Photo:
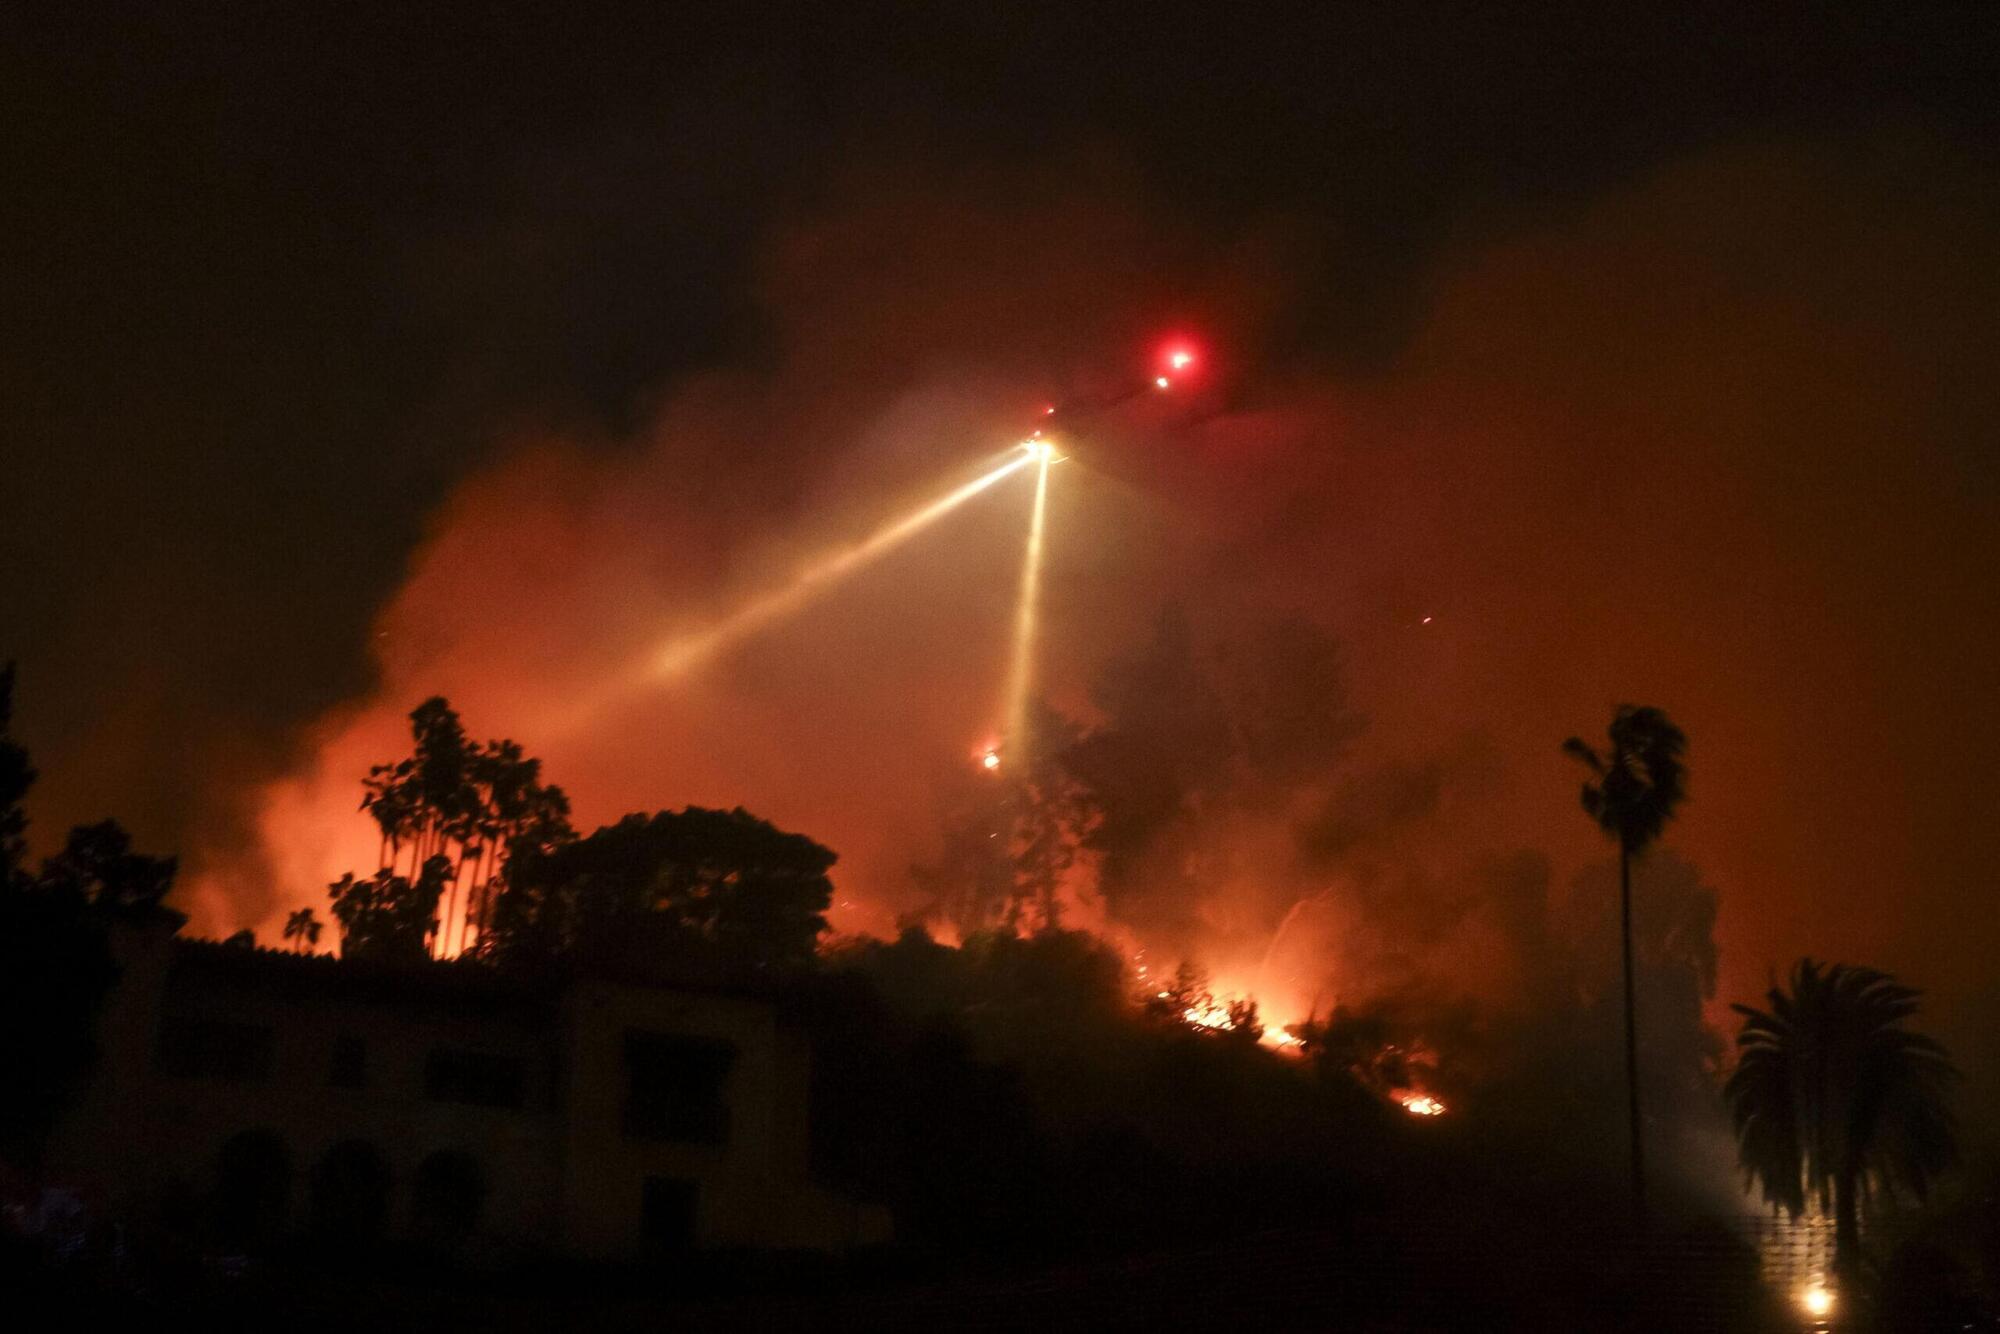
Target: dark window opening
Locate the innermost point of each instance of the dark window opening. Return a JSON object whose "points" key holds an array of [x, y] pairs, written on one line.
{"points": [[674, 1087], [667, 1207], [214, 1049], [253, 1177], [349, 1068], [350, 1193], [482, 1079], [446, 1198]]}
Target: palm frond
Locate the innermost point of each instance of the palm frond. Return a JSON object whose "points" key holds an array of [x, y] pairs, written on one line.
{"points": [[1829, 1088]]}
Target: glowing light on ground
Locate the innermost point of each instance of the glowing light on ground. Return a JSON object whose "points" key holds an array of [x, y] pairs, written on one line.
{"points": [[990, 760], [816, 577], [1422, 1104], [1020, 675], [1817, 1300], [1161, 382]]}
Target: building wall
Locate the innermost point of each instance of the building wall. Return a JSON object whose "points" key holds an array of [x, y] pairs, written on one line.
{"points": [[561, 1169]]}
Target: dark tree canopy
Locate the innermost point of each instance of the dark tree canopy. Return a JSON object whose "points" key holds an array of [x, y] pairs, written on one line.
{"points": [[1010, 836], [1190, 734], [1160, 752], [388, 916], [55, 956], [472, 804], [692, 888], [1638, 780], [1837, 1105], [97, 864], [16, 777]]}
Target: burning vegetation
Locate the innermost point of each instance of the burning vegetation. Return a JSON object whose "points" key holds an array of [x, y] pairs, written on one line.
{"points": [[1209, 802]]}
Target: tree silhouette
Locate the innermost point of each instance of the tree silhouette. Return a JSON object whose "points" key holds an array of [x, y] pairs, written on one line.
{"points": [[1674, 968], [1193, 733], [471, 804], [16, 777], [303, 926], [1373, 1046], [1158, 761], [694, 888], [1835, 1103], [1009, 836], [1049, 821], [1636, 784], [98, 866], [388, 916], [55, 956]]}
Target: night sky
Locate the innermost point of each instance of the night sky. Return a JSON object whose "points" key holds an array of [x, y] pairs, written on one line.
{"points": [[356, 355]]}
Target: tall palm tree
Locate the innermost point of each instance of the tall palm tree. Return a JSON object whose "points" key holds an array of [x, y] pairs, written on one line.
{"points": [[303, 926], [1636, 784], [1835, 1103]]}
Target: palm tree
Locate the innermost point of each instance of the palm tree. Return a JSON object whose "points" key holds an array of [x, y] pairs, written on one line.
{"points": [[1635, 785], [1836, 1103], [303, 926]]}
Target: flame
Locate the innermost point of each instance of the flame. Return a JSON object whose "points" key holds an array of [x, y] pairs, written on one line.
{"points": [[1214, 1015], [1422, 1104]]}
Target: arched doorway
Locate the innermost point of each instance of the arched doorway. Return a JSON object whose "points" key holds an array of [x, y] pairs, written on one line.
{"points": [[446, 1198], [253, 1181], [350, 1193]]}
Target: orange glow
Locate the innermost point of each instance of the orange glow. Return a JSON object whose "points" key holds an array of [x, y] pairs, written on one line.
{"points": [[1422, 1104]]}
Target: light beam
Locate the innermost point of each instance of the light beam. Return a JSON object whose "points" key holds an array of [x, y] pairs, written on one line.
{"points": [[690, 649], [1020, 674]]}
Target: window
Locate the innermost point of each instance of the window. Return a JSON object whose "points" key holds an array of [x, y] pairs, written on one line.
{"points": [[483, 1079], [349, 1068], [674, 1087], [192, 1048], [667, 1209]]}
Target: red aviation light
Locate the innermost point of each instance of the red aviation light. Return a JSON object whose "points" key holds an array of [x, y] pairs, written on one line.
{"points": [[1177, 360]]}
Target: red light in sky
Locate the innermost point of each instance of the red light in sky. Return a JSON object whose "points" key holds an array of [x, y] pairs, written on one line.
{"points": [[1177, 356]]}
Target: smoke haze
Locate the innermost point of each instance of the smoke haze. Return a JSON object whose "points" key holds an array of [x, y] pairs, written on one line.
{"points": [[1536, 409], [1682, 448]]}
